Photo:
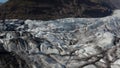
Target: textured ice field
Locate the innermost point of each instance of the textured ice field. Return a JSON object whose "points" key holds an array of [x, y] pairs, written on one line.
{"points": [[63, 43]]}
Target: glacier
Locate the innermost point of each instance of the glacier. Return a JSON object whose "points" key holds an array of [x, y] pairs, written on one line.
{"points": [[61, 43]]}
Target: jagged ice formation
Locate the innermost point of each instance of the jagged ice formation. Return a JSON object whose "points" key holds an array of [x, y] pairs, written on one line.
{"points": [[61, 43]]}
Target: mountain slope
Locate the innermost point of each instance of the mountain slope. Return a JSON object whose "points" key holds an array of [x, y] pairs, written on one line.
{"points": [[53, 9], [1, 3], [114, 3]]}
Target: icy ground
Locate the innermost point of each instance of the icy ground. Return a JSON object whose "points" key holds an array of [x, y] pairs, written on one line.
{"points": [[63, 43]]}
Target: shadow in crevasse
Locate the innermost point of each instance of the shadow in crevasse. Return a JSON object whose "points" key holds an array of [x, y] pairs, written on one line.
{"points": [[11, 60]]}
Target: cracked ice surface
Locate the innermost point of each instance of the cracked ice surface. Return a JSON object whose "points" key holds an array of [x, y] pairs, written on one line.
{"points": [[64, 43]]}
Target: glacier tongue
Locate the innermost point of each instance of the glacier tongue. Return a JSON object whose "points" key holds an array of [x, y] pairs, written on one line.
{"points": [[61, 43]]}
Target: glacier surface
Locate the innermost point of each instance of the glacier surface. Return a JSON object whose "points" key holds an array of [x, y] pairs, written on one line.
{"points": [[62, 43]]}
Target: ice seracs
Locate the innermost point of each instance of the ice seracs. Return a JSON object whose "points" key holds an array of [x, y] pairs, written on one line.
{"points": [[105, 39], [64, 43]]}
